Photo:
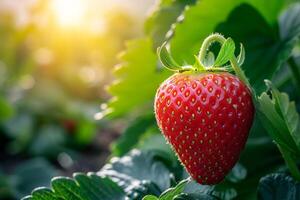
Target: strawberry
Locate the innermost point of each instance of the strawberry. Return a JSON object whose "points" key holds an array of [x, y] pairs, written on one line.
{"points": [[206, 118], [204, 112]]}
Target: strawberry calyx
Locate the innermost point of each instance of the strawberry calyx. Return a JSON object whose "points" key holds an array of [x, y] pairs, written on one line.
{"points": [[206, 61]]}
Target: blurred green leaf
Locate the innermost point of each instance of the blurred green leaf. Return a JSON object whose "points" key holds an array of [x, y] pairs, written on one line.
{"points": [[137, 79], [20, 129], [161, 19], [85, 132], [6, 110], [155, 141], [289, 23], [131, 136], [203, 18], [49, 141], [5, 188], [81, 187], [238, 173], [278, 187], [31, 174]]}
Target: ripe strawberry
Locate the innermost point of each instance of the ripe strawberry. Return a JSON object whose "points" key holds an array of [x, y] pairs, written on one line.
{"points": [[206, 118]]}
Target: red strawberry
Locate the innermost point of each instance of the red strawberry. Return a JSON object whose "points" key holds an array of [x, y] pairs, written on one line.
{"points": [[206, 118]]}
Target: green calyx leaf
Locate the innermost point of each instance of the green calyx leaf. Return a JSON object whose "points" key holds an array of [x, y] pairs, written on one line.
{"points": [[166, 58], [241, 56], [226, 52], [209, 60]]}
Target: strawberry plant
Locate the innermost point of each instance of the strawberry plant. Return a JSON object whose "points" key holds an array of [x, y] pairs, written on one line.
{"points": [[232, 121]]}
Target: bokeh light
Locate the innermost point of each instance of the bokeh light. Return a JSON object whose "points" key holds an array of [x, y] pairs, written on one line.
{"points": [[69, 12]]}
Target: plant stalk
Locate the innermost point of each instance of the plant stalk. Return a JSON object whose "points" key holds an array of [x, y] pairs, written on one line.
{"points": [[220, 39]]}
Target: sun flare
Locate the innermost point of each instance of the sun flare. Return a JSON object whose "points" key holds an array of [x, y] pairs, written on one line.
{"points": [[69, 12]]}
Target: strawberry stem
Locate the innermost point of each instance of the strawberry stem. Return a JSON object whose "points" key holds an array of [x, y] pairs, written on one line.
{"points": [[216, 37]]}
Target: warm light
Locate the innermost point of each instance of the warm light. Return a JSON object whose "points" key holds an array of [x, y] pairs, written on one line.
{"points": [[69, 12]]}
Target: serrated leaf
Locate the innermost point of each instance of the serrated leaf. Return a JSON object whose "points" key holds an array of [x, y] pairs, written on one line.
{"points": [[226, 52], [81, 187], [137, 77], [152, 178], [278, 187], [280, 118]]}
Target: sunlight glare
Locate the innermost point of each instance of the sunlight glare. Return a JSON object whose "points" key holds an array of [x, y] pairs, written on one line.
{"points": [[69, 12]]}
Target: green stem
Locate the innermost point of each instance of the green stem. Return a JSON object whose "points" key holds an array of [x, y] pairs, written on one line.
{"points": [[290, 162], [220, 39], [295, 70]]}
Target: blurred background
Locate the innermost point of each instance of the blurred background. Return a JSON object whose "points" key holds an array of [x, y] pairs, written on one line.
{"points": [[56, 57]]}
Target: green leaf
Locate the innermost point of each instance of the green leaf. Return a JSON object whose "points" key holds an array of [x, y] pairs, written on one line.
{"points": [[81, 187], [289, 23], [278, 187], [223, 190], [5, 191], [131, 136], [175, 193], [172, 192], [49, 141], [255, 32], [226, 52], [266, 51], [184, 196], [203, 18], [31, 174], [280, 118], [6, 110], [209, 60], [150, 197], [241, 56], [139, 173], [166, 59], [161, 19], [137, 77]]}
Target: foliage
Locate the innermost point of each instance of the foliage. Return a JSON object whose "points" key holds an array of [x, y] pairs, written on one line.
{"points": [[278, 186], [270, 33]]}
